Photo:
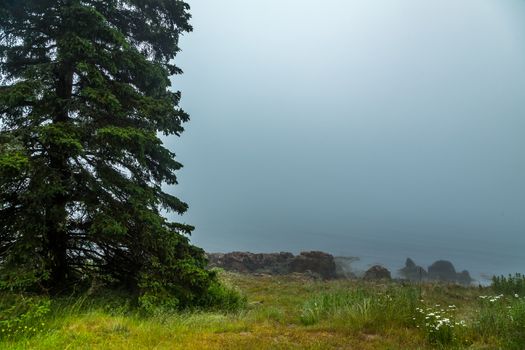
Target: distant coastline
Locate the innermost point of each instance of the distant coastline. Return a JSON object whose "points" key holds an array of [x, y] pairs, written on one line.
{"points": [[326, 266]]}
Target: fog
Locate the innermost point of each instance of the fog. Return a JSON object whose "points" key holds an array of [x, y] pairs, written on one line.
{"points": [[373, 128]]}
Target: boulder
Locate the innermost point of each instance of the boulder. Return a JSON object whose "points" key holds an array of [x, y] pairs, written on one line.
{"points": [[464, 277], [250, 263], [410, 264], [413, 272], [343, 266], [442, 270], [377, 272], [314, 262]]}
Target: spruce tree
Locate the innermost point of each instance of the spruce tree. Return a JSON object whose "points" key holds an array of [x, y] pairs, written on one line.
{"points": [[85, 93]]}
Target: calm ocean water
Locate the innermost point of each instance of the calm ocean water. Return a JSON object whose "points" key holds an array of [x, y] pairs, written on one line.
{"points": [[381, 132]]}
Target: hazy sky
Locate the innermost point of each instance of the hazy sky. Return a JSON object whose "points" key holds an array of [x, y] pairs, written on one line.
{"points": [[376, 128]]}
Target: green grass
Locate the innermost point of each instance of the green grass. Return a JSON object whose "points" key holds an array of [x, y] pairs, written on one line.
{"points": [[287, 312], [362, 308]]}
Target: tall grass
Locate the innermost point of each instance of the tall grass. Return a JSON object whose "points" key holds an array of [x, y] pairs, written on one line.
{"points": [[362, 308], [23, 317], [502, 318]]}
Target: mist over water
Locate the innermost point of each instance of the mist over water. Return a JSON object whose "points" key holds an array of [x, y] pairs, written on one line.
{"points": [[378, 129]]}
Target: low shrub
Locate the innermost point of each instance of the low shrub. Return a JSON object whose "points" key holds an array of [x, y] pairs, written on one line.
{"points": [[22, 316], [510, 285], [219, 297], [222, 297]]}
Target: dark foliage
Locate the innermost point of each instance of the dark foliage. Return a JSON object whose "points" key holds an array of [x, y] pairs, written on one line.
{"points": [[84, 94], [512, 284]]}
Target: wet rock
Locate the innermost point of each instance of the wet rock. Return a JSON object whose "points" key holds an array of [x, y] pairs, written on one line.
{"points": [[464, 277], [314, 262], [410, 264], [343, 266], [413, 272], [274, 263], [377, 272], [442, 270]]}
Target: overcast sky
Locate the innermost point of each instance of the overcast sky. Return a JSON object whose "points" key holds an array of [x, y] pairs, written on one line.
{"points": [[377, 128]]}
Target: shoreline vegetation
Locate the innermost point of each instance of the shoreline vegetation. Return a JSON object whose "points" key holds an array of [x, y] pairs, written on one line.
{"points": [[294, 311]]}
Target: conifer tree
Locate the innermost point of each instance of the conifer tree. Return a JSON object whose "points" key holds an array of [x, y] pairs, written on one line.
{"points": [[84, 94]]}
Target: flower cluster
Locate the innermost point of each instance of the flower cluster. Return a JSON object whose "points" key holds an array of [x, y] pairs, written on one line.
{"points": [[13, 329], [438, 323], [493, 298]]}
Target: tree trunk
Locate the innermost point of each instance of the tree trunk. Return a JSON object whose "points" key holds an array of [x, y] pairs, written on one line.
{"points": [[56, 212], [57, 245]]}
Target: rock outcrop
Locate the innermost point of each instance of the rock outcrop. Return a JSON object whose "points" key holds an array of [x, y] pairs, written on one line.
{"points": [[343, 266], [413, 272], [464, 278], [377, 272], [323, 265], [441, 270], [274, 263], [316, 263]]}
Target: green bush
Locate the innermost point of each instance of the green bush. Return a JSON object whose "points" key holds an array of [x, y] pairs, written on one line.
{"points": [[222, 297], [509, 285], [22, 316], [218, 296]]}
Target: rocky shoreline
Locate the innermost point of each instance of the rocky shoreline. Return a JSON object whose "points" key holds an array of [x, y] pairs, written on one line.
{"points": [[325, 266]]}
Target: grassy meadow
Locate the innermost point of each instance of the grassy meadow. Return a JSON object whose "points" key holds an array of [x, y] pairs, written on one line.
{"points": [[285, 312]]}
